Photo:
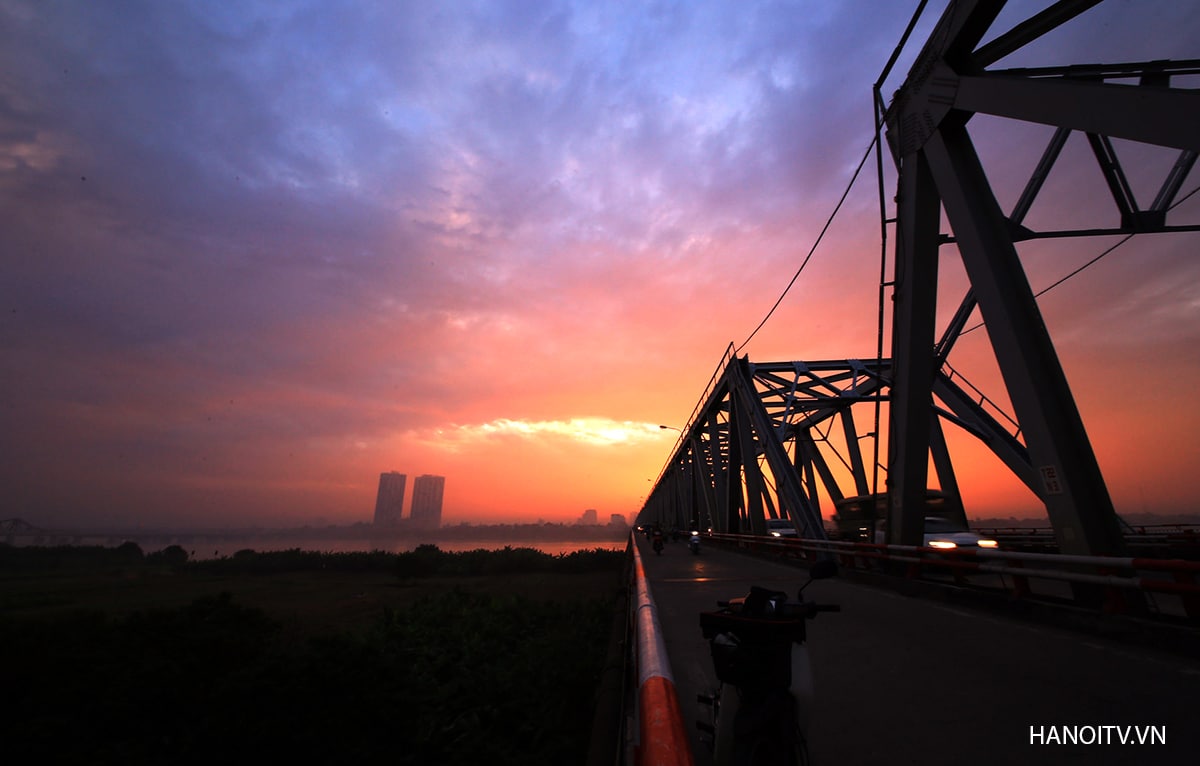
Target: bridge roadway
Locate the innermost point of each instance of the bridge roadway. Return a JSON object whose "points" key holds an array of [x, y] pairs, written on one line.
{"points": [[906, 680]]}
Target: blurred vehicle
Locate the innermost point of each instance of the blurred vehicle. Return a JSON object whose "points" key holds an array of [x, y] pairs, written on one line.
{"points": [[856, 518], [943, 534], [781, 528]]}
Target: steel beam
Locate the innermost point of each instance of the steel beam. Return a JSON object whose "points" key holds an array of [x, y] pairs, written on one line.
{"points": [[914, 310], [1151, 115], [1072, 486], [987, 429]]}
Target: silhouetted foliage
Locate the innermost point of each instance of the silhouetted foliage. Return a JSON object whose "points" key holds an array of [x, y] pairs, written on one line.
{"points": [[129, 551], [172, 555], [424, 561], [428, 560], [457, 678], [69, 556]]}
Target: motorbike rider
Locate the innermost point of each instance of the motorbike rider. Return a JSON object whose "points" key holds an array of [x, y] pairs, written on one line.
{"points": [[657, 539]]}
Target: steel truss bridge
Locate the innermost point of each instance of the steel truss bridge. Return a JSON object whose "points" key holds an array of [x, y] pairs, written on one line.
{"points": [[774, 440]]}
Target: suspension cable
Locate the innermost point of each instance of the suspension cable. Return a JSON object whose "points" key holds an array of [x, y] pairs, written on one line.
{"points": [[816, 244]]}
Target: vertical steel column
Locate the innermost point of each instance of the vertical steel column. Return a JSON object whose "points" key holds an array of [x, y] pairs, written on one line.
{"points": [[914, 310], [750, 488], [733, 475]]}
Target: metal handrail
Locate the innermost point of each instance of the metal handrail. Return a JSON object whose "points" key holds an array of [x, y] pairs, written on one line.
{"points": [[1147, 575], [663, 739]]}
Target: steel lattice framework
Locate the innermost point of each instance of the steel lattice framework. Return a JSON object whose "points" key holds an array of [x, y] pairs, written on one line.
{"points": [[939, 169], [772, 439], [751, 453], [762, 442]]}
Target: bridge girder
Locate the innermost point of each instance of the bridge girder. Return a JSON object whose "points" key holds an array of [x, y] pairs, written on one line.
{"points": [[797, 418], [752, 450], [939, 170], [1044, 443]]}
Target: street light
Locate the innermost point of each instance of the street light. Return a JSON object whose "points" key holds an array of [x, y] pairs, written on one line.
{"points": [[673, 428]]}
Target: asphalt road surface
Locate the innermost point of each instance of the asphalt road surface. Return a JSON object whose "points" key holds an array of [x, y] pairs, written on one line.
{"points": [[906, 680]]}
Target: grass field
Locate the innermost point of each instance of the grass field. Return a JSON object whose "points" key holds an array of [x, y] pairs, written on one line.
{"points": [[123, 658], [316, 600]]}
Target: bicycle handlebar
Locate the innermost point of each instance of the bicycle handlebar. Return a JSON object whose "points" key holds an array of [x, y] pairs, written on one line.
{"points": [[761, 603], [809, 610], [804, 609]]}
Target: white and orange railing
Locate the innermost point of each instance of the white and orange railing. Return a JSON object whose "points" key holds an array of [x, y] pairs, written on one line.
{"points": [[662, 737]]}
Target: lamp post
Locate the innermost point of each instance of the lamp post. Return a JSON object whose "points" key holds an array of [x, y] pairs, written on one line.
{"points": [[671, 428]]}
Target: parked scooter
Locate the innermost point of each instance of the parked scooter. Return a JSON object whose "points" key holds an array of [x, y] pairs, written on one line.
{"points": [[694, 542], [761, 709]]}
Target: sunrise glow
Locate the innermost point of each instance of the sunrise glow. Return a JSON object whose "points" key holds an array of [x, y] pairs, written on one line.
{"points": [[255, 255]]}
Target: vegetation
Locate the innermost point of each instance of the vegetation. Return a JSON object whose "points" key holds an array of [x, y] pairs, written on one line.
{"points": [[447, 667]]}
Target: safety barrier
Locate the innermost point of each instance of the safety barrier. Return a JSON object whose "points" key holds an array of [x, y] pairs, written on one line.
{"points": [[1148, 540], [662, 736], [1171, 585]]}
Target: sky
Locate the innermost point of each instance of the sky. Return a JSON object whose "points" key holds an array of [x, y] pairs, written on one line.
{"points": [[257, 253]]}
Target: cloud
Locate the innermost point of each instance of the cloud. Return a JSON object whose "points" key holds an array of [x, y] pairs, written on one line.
{"points": [[596, 432], [337, 227]]}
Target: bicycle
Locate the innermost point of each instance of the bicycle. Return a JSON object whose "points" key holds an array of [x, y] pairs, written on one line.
{"points": [[760, 709]]}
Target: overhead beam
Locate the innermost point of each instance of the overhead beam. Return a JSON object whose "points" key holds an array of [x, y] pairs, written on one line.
{"points": [[1151, 115]]}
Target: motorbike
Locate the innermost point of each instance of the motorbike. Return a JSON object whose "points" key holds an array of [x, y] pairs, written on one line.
{"points": [[658, 544], [761, 708], [694, 542]]}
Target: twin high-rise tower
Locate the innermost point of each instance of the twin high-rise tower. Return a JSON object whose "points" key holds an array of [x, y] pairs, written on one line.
{"points": [[389, 502], [426, 501]]}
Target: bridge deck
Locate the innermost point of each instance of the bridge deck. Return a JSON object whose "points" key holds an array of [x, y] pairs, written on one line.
{"points": [[903, 680]]}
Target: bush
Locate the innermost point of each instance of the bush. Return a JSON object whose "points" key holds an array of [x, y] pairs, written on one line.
{"points": [[424, 561], [454, 679], [172, 555], [129, 551], [429, 560]]}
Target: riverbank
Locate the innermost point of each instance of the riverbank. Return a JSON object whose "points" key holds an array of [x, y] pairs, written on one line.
{"points": [[213, 543], [434, 658]]}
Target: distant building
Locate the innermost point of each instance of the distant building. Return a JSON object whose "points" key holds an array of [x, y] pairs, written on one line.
{"points": [[617, 520], [589, 517], [389, 503], [427, 501]]}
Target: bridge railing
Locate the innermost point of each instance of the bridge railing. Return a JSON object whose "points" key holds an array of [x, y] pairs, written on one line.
{"points": [[1152, 540], [662, 738], [1171, 587]]}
